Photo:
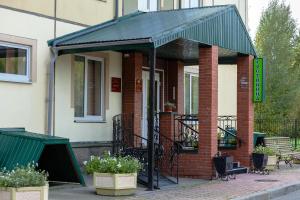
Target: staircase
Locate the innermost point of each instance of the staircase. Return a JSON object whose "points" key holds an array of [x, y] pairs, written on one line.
{"points": [[125, 142]]}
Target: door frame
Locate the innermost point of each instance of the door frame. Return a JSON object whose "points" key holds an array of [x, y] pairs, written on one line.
{"points": [[160, 74]]}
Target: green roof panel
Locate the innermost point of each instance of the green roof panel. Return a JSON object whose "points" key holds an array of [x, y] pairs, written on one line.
{"points": [[213, 25], [53, 154]]}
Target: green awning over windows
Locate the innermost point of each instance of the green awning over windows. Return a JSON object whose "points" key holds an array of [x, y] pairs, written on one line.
{"points": [[53, 154], [214, 25]]}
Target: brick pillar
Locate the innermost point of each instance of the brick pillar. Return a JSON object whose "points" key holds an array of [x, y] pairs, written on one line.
{"points": [[132, 88], [245, 112], [176, 80], [166, 130], [208, 109]]}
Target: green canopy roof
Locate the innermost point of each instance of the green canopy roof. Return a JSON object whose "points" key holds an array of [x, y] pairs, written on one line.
{"points": [[214, 25], [53, 154]]}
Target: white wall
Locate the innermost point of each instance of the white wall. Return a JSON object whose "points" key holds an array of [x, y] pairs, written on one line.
{"points": [[23, 105], [227, 88], [64, 113], [242, 6]]}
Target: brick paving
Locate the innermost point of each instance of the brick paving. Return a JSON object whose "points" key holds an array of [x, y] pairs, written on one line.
{"points": [[244, 185]]}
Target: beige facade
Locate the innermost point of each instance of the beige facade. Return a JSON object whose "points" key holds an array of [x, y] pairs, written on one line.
{"points": [[25, 104]]}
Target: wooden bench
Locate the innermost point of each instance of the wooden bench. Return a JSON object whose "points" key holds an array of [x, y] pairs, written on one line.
{"points": [[283, 148]]}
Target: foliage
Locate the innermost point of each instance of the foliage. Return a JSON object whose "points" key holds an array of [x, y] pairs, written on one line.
{"points": [[113, 165], [277, 41], [264, 150], [23, 176], [170, 105]]}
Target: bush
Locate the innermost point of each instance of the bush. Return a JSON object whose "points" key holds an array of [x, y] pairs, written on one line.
{"points": [[264, 150], [23, 176], [113, 165]]}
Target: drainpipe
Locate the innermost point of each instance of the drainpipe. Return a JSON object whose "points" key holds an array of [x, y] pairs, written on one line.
{"points": [[116, 9], [50, 90]]}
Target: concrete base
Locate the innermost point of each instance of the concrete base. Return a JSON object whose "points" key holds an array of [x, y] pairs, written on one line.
{"points": [[272, 193], [113, 192]]}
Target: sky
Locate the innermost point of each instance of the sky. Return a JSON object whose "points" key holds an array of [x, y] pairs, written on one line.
{"points": [[257, 6]]}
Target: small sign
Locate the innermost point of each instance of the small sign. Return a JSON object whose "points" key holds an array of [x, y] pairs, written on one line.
{"points": [[139, 85], [258, 80], [116, 84]]}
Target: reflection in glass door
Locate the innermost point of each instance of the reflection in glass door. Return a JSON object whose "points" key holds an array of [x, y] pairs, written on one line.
{"points": [[146, 97]]}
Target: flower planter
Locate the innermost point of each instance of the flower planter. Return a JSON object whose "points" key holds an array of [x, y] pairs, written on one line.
{"points": [[259, 160], [24, 193], [271, 163], [223, 164], [115, 184]]}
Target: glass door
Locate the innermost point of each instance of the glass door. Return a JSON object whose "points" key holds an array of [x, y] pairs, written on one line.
{"points": [[146, 97]]}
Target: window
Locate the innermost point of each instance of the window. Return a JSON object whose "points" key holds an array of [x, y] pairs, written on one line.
{"points": [[166, 4], [14, 62], [147, 5], [189, 3], [191, 89], [88, 89]]}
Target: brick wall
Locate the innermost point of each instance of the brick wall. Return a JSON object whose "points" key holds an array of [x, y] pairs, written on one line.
{"points": [[131, 91], [245, 111], [208, 108], [175, 79]]}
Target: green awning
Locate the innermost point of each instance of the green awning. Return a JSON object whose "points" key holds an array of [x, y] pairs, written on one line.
{"points": [[214, 25], [53, 154]]}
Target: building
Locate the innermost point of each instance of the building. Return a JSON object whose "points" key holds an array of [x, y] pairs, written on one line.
{"points": [[81, 105]]}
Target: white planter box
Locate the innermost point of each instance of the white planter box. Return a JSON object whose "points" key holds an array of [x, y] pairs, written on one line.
{"points": [[272, 161], [115, 184], [24, 193]]}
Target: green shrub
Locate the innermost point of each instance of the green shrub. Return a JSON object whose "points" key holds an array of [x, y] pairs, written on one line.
{"points": [[264, 150], [23, 176], [111, 164]]}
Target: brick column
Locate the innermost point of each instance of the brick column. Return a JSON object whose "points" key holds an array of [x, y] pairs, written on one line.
{"points": [[208, 109], [176, 80], [166, 130], [132, 87], [245, 112]]}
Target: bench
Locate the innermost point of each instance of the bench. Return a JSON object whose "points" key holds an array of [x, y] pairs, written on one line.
{"points": [[284, 149]]}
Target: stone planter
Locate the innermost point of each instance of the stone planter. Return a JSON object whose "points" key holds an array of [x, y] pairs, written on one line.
{"points": [[272, 161], [115, 184], [24, 193]]}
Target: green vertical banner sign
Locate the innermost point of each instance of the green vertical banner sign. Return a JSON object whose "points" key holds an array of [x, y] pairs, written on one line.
{"points": [[258, 80]]}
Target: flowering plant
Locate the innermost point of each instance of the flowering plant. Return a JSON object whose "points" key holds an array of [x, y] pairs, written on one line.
{"points": [[23, 176], [112, 164]]}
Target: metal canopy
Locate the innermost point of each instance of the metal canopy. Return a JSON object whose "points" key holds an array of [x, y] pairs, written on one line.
{"points": [[214, 25], [53, 154]]}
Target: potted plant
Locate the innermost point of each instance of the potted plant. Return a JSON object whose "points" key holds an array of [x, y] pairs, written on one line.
{"points": [[223, 164], [264, 157], [114, 176], [169, 107], [23, 179]]}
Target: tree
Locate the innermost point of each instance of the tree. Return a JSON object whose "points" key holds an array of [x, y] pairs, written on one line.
{"points": [[275, 41]]}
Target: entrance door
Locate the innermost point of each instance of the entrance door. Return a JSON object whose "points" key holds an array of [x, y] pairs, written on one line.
{"points": [[145, 104]]}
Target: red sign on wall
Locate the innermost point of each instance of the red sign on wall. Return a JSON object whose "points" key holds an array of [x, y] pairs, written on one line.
{"points": [[116, 84]]}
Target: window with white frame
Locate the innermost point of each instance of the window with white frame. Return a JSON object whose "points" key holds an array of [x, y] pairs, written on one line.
{"points": [[88, 89], [147, 5], [191, 90], [190, 3], [14, 62]]}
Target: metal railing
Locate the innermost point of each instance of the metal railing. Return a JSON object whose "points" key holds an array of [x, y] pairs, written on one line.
{"points": [[125, 142], [227, 121], [186, 131], [227, 138], [279, 127]]}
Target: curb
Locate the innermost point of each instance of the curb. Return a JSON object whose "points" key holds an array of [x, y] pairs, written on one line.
{"points": [[272, 193]]}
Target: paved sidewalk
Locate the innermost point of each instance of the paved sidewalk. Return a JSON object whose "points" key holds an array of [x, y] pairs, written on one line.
{"points": [[244, 185]]}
